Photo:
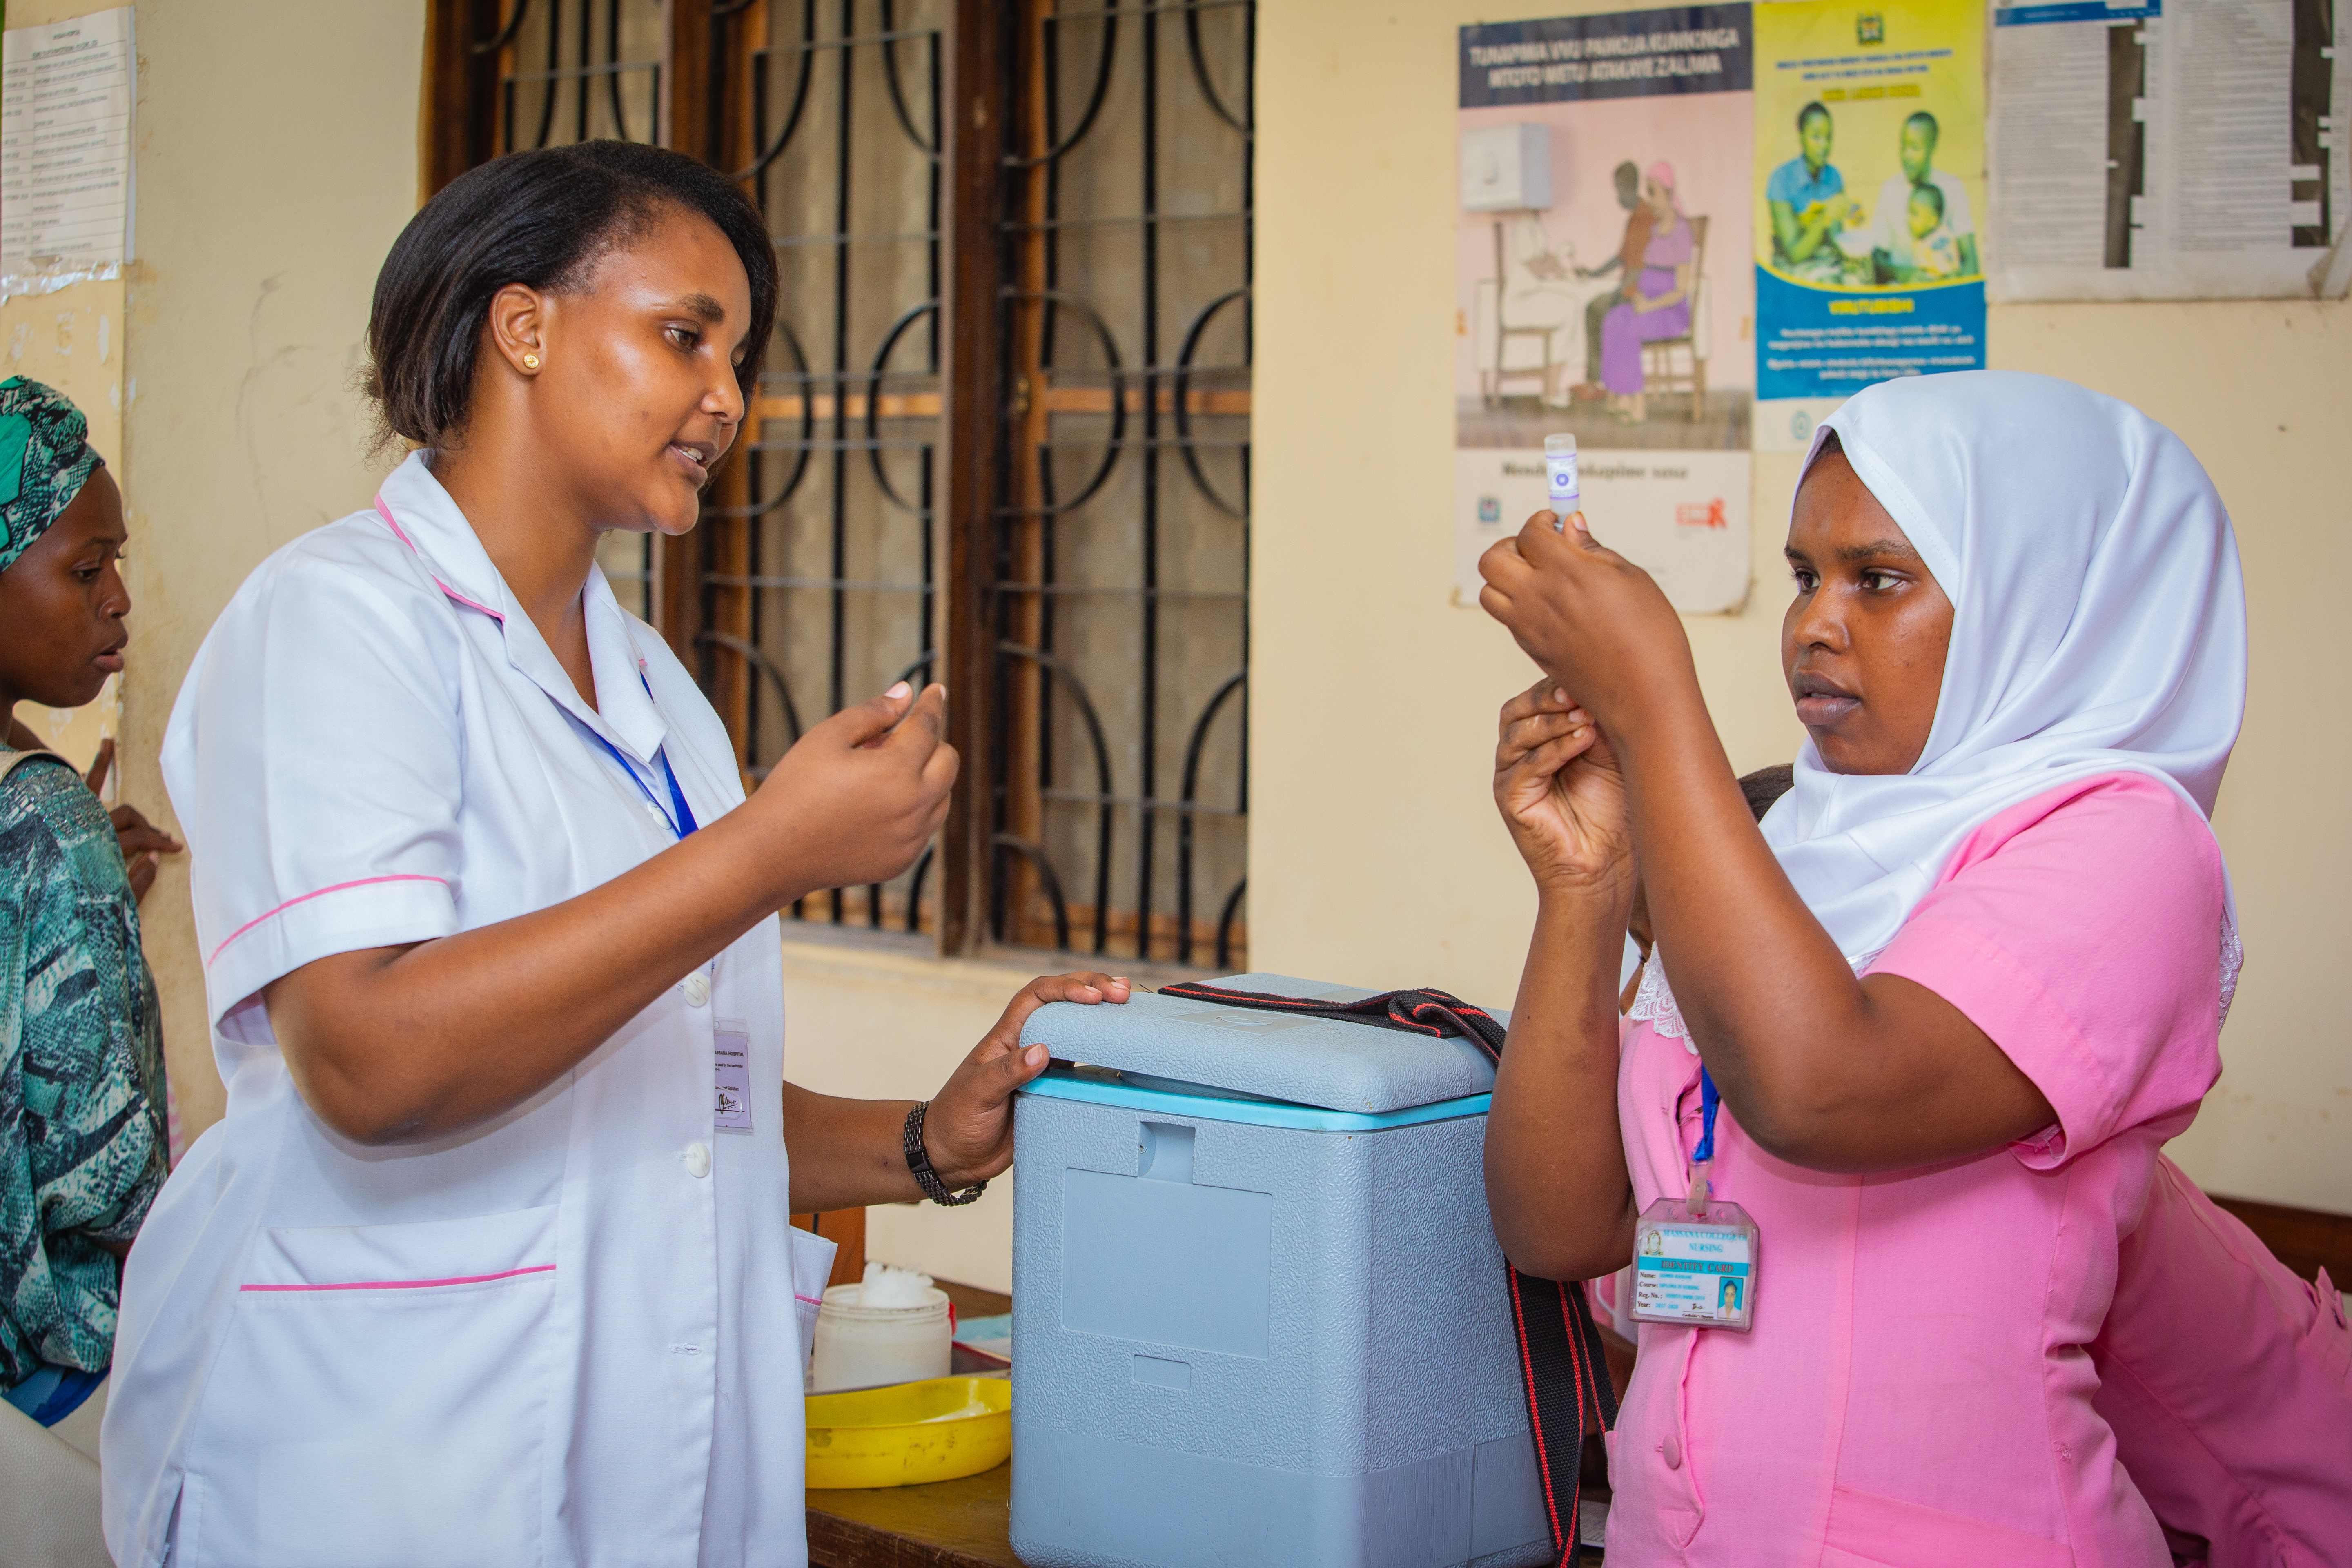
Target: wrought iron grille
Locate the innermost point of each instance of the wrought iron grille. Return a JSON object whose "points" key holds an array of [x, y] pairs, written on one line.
{"points": [[1119, 748]]}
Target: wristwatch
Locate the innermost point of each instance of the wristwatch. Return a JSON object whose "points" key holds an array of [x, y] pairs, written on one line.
{"points": [[918, 1161]]}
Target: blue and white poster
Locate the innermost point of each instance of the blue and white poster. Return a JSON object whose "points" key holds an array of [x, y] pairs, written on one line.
{"points": [[1869, 185]]}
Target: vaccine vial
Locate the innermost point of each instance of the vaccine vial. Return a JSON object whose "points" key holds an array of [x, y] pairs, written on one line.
{"points": [[1559, 472]]}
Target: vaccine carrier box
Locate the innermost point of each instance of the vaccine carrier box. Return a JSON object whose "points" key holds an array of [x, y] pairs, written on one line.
{"points": [[1260, 1317]]}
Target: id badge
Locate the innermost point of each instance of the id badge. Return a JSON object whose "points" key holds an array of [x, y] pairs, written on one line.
{"points": [[730, 1048], [1695, 1268]]}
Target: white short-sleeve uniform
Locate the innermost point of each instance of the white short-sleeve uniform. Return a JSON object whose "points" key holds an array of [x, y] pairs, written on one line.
{"points": [[571, 1336]]}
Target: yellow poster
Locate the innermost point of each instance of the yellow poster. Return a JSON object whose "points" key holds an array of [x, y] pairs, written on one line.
{"points": [[1869, 184]]}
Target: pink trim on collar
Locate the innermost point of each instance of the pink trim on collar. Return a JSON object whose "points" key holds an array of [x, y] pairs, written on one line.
{"points": [[385, 512]]}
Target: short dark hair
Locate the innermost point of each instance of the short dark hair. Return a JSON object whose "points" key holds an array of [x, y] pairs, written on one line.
{"points": [[543, 219], [1816, 107], [1628, 176], [1921, 117], [1932, 192], [1766, 785]]}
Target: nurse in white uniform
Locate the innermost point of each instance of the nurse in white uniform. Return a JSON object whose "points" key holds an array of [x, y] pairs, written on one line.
{"points": [[476, 1270]]}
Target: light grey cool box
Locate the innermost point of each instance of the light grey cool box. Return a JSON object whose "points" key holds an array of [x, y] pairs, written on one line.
{"points": [[1259, 1313]]}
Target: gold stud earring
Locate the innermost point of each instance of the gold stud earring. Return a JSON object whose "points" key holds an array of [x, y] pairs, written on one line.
{"points": [[530, 362]]}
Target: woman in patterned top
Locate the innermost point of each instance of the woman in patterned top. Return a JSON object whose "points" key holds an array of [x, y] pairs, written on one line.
{"points": [[82, 1067]]}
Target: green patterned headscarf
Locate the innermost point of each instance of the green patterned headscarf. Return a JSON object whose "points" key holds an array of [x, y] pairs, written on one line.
{"points": [[44, 459]]}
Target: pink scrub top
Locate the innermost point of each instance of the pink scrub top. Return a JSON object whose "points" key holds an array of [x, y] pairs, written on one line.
{"points": [[2228, 1381], [1917, 1389]]}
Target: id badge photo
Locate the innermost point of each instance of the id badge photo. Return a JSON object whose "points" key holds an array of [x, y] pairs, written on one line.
{"points": [[1695, 1268]]}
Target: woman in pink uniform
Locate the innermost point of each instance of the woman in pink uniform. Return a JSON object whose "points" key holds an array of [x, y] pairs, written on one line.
{"points": [[1954, 995], [1655, 305]]}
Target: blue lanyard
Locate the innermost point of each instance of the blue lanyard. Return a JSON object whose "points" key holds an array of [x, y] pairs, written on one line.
{"points": [[1707, 1099], [683, 822]]}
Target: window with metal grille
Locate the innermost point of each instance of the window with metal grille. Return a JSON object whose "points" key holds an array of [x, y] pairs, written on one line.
{"points": [[1002, 438]]}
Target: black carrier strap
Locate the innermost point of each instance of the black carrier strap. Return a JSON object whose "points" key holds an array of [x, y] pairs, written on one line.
{"points": [[1568, 1392]]}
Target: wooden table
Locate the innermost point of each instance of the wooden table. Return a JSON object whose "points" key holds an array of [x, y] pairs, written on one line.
{"points": [[947, 1525]]}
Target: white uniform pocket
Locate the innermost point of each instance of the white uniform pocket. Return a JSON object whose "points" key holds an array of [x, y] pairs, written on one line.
{"points": [[380, 1400], [812, 1267]]}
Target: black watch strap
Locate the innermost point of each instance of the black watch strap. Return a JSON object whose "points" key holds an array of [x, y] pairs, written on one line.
{"points": [[919, 1160]]}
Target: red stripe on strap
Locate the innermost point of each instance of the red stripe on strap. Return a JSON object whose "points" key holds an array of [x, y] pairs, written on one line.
{"points": [[1535, 1415]]}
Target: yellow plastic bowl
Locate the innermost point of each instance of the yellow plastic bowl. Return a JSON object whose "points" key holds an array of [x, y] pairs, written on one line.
{"points": [[902, 1435]]}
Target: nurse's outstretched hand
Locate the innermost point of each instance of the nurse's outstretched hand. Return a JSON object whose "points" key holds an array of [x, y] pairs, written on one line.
{"points": [[859, 796], [1593, 621], [968, 1131], [847, 1153]]}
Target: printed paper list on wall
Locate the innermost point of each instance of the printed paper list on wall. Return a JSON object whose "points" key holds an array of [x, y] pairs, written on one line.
{"points": [[1868, 177], [1603, 287], [65, 148], [2171, 150]]}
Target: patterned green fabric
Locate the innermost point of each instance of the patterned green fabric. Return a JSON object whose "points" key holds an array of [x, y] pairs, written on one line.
{"points": [[44, 459], [81, 1073]]}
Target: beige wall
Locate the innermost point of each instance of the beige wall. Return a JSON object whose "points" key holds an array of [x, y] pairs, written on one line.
{"points": [[1375, 856]]}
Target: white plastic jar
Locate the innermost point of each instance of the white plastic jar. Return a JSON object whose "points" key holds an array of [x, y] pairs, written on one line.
{"points": [[859, 1346]]}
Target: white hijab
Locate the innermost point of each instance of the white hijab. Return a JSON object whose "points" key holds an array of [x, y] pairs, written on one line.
{"points": [[2099, 627]]}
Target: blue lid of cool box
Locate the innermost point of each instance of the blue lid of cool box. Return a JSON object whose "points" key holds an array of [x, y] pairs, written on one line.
{"points": [[1275, 1069]]}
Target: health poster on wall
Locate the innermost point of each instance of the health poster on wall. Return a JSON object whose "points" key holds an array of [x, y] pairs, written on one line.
{"points": [[1869, 178], [2172, 150], [1604, 288]]}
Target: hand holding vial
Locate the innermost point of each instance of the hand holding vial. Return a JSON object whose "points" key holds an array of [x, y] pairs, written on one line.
{"points": [[1560, 474]]}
